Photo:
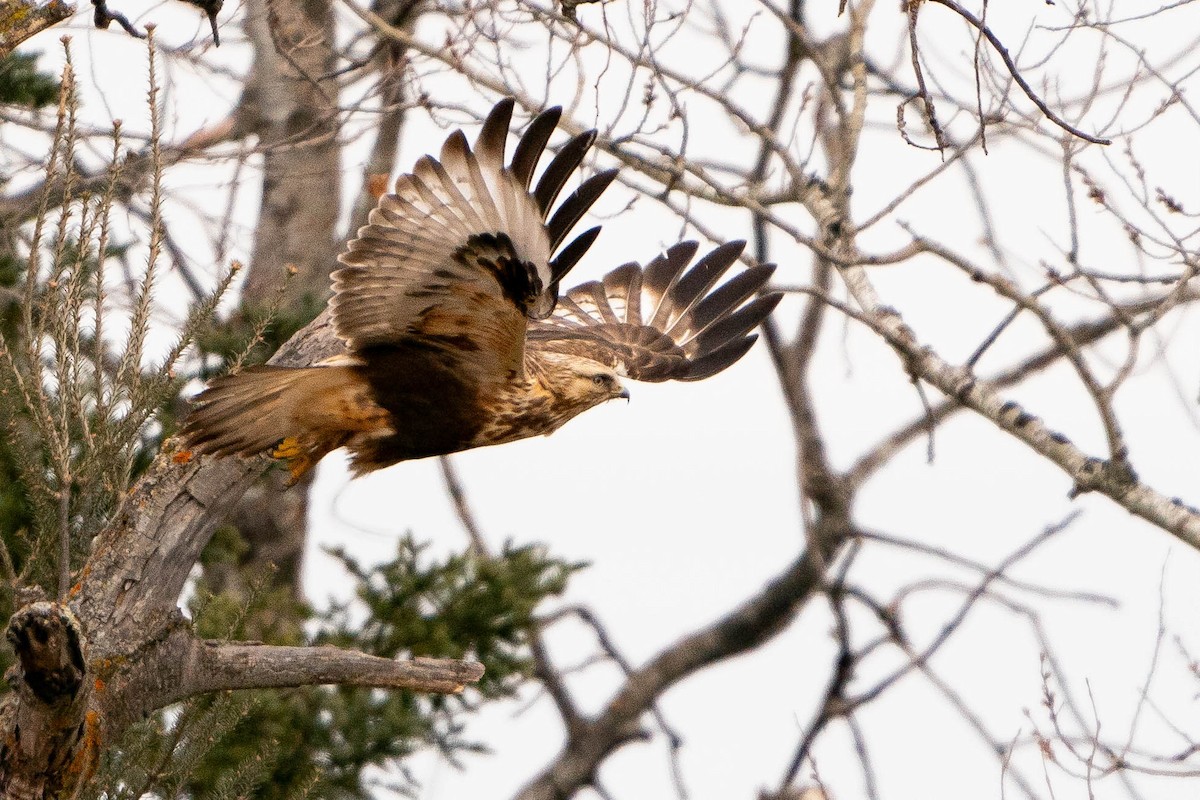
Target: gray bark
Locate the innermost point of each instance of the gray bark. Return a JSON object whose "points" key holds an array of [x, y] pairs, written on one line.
{"points": [[290, 103]]}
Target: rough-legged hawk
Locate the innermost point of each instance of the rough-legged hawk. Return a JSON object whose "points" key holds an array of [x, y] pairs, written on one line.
{"points": [[448, 302]]}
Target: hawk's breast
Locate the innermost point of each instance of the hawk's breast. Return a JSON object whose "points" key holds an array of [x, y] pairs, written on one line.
{"points": [[435, 407]]}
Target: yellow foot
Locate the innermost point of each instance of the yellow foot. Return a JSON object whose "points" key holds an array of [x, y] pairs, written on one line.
{"points": [[288, 448], [299, 459]]}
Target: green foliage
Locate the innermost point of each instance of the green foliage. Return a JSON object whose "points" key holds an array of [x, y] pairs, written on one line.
{"points": [[21, 83], [74, 402], [465, 606], [253, 334], [16, 515], [159, 757]]}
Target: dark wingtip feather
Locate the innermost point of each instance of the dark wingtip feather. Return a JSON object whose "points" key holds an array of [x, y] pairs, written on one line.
{"points": [[661, 276], [689, 330], [576, 205], [490, 143], [456, 143], [661, 272], [533, 144], [571, 254], [737, 324], [730, 295], [569, 157], [720, 359], [707, 271]]}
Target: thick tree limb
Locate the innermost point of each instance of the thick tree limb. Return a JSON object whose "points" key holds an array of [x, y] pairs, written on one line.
{"points": [[290, 103], [21, 19], [223, 665], [48, 643], [45, 725], [141, 561], [178, 665]]}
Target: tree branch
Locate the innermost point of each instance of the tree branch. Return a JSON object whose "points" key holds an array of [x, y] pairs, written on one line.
{"points": [[1109, 477], [45, 722], [48, 643], [122, 649], [1002, 51], [1081, 334], [21, 19], [756, 621], [217, 666], [140, 563]]}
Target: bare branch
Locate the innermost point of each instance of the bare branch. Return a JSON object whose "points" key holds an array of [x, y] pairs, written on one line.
{"points": [[1013, 70], [1108, 477], [216, 666], [757, 620], [1081, 334]]}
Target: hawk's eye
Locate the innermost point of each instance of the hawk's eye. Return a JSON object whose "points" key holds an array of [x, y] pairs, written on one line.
{"points": [[600, 380]]}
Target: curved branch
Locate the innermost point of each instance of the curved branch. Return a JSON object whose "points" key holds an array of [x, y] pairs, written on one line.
{"points": [[140, 563], [21, 19]]}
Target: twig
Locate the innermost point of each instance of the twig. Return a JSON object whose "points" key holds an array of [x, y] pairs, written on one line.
{"points": [[1016, 73], [939, 136], [458, 495]]}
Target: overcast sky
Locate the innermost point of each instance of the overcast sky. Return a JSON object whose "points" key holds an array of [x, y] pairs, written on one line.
{"points": [[684, 500]]}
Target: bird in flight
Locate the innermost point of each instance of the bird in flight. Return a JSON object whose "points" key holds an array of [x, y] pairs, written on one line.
{"points": [[448, 303]]}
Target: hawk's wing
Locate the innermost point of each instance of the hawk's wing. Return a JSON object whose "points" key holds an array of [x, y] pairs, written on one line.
{"points": [[463, 253], [661, 322]]}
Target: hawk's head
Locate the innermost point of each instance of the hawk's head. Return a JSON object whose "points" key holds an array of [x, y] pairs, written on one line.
{"points": [[577, 383]]}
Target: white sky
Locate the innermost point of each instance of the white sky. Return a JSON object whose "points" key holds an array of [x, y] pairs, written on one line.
{"points": [[685, 503]]}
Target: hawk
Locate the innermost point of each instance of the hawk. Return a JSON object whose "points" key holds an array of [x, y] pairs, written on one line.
{"points": [[448, 303]]}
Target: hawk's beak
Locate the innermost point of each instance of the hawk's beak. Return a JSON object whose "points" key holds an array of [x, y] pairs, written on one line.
{"points": [[624, 394]]}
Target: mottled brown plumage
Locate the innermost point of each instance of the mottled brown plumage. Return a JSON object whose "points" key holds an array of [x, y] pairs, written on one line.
{"points": [[448, 303]]}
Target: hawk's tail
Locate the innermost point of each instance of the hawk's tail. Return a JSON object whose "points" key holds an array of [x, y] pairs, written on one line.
{"points": [[298, 414], [249, 411]]}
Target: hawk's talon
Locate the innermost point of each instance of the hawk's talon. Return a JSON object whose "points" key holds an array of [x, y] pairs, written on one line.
{"points": [[288, 449]]}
